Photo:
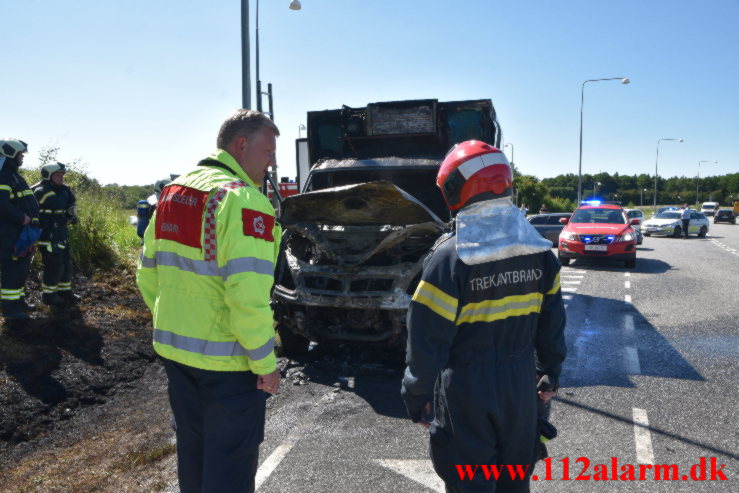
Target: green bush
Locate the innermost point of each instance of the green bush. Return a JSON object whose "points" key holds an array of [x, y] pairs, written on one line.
{"points": [[103, 237]]}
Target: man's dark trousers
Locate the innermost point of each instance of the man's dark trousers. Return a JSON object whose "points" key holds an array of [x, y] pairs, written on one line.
{"points": [[220, 424], [13, 275], [686, 225]]}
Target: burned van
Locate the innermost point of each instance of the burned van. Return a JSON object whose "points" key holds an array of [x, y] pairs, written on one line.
{"points": [[369, 213]]}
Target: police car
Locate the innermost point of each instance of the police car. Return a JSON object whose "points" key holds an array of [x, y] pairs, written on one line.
{"points": [[669, 223], [598, 229]]}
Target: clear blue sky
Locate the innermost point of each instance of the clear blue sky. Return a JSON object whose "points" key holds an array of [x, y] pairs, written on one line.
{"points": [[138, 89]]}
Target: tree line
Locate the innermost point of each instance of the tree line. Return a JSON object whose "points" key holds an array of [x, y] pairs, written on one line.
{"points": [[560, 192]]}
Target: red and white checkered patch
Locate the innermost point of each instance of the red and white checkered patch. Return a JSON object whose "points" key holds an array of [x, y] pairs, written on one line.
{"points": [[209, 234]]}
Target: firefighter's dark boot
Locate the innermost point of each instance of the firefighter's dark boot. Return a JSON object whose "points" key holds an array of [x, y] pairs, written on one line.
{"points": [[13, 312], [52, 299], [69, 297], [27, 307]]}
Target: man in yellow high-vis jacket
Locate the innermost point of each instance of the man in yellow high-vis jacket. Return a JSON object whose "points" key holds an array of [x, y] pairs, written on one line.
{"points": [[206, 272]]}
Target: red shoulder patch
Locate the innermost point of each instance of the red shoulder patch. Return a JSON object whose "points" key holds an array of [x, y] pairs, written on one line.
{"points": [[258, 224], [180, 215]]}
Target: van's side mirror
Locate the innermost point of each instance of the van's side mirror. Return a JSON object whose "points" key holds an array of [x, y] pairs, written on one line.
{"points": [[564, 220]]}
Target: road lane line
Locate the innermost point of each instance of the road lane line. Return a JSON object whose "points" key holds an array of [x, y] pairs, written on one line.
{"points": [[642, 437], [566, 296], [627, 274], [570, 282], [568, 289], [631, 361], [420, 471], [274, 459], [570, 277], [627, 284], [629, 324], [627, 298]]}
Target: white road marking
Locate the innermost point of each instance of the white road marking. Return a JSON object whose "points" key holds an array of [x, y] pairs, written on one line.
{"points": [[627, 298], [420, 471], [629, 324], [571, 277], [572, 271], [570, 282], [568, 290], [642, 437], [627, 274], [631, 361], [627, 284], [725, 247], [566, 296], [271, 462]]}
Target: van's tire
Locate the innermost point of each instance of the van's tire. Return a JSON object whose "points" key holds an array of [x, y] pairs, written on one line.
{"points": [[702, 233], [564, 261], [293, 345]]}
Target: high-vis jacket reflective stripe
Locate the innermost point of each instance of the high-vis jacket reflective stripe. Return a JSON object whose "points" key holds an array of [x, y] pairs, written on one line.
{"points": [[206, 273]]}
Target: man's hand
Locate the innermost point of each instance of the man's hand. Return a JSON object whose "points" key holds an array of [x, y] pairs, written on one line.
{"points": [[26, 220], [545, 396], [426, 415], [269, 383]]}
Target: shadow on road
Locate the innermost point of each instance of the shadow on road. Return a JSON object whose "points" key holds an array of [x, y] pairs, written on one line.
{"points": [[643, 265], [608, 340]]}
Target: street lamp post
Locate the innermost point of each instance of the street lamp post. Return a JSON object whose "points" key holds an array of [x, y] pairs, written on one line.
{"points": [[656, 161], [511, 146], [698, 179], [641, 192], [594, 184], [624, 80]]}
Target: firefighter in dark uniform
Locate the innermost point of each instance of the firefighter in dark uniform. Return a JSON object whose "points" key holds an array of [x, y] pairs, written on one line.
{"points": [[486, 323], [58, 209], [18, 209]]}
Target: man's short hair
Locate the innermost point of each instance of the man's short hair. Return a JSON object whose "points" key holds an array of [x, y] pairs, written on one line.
{"points": [[244, 123]]}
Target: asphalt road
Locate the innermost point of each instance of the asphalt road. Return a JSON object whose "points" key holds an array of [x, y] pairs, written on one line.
{"points": [[651, 378]]}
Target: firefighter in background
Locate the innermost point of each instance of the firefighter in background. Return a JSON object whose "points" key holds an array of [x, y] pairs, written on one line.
{"points": [[485, 324], [57, 205], [18, 209], [145, 208]]}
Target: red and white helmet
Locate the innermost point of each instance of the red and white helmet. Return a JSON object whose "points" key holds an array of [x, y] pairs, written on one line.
{"points": [[473, 171]]}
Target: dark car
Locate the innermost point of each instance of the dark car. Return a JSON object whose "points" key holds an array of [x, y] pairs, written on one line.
{"points": [[548, 225], [724, 216]]}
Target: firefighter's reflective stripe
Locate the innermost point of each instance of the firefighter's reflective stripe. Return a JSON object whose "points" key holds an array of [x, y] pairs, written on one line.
{"points": [[45, 244], [555, 286], [46, 196], [492, 310], [16, 195], [49, 289], [436, 300], [7, 187], [210, 268], [212, 348], [64, 286], [53, 211], [11, 294]]}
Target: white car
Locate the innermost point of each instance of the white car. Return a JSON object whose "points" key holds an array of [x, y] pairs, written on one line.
{"points": [[669, 223], [636, 214]]}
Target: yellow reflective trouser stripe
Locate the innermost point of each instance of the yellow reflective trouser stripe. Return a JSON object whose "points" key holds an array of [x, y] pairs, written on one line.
{"points": [[436, 300], [49, 289], [491, 310], [25, 193], [212, 348], [53, 211], [46, 196], [6, 187], [555, 285], [11, 294]]}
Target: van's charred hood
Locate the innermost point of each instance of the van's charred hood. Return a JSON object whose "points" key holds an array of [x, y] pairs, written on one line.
{"points": [[375, 203]]}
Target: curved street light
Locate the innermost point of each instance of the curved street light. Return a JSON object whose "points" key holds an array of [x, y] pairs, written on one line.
{"points": [[511, 146], [655, 171], [624, 80], [698, 179]]}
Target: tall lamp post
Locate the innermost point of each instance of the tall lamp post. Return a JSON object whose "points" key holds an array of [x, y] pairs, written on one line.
{"points": [[624, 80], [246, 52], [698, 179], [641, 201], [511, 146], [656, 161]]}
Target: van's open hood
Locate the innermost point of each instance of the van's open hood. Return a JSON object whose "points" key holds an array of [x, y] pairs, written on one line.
{"points": [[373, 203]]}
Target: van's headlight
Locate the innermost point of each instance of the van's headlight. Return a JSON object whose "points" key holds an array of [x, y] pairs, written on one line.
{"points": [[567, 235], [626, 237]]}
